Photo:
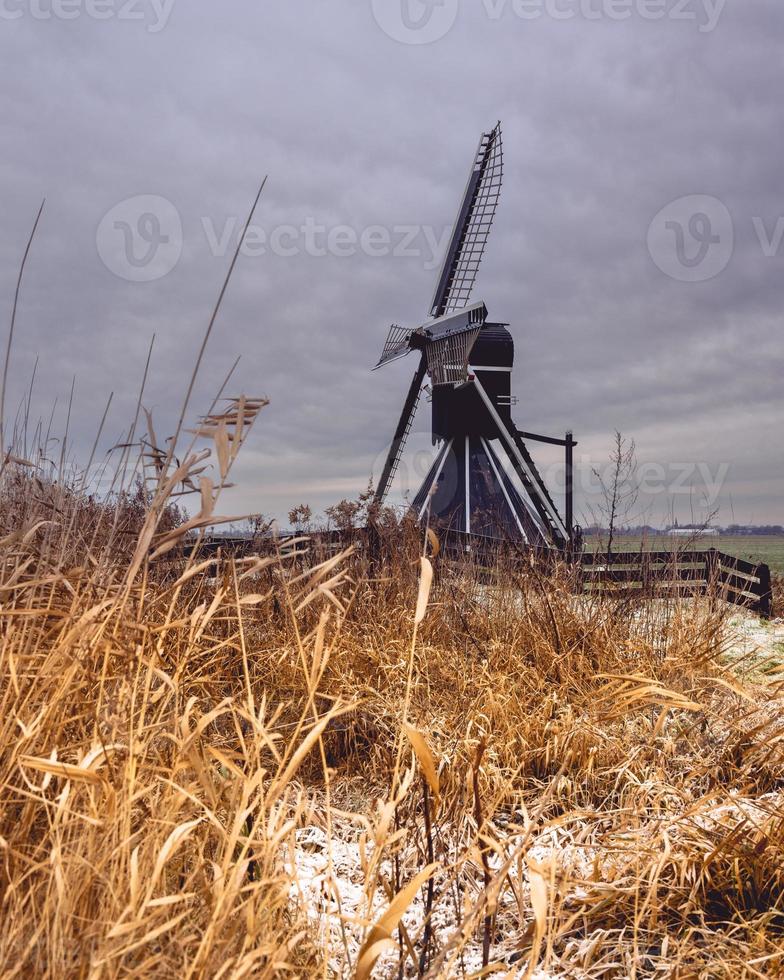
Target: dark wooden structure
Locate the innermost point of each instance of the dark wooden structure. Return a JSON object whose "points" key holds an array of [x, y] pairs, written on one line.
{"points": [[483, 481], [667, 573], [647, 574]]}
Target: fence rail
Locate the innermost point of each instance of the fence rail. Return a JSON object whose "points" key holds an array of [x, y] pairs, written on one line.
{"points": [[658, 573], [644, 573]]}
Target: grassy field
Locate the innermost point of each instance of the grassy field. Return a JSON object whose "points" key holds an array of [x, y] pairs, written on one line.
{"points": [[763, 548]]}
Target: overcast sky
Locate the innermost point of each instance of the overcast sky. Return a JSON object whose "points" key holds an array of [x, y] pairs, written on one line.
{"points": [[149, 125]]}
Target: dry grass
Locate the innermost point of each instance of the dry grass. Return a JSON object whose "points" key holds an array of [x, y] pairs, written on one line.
{"points": [[501, 772], [778, 596]]}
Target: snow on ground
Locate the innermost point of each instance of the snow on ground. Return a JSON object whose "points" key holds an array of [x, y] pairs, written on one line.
{"points": [[756, 642], [328, 873], [328, 879]]}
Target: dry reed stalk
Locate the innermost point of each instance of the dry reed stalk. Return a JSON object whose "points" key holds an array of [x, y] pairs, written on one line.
{"points": [[11, 329]]}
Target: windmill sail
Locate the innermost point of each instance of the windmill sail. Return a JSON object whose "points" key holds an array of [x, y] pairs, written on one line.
{"points": [[402, 432], [472, 228], [447, 357], [396, 345], [401, 341]]}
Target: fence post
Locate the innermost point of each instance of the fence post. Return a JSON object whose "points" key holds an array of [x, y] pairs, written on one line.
{"points": [[646, 574], [712, 572], [766, 592]]}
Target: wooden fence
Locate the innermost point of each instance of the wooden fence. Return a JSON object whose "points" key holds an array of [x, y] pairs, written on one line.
{"points": [[667, 573], [644, 573]]}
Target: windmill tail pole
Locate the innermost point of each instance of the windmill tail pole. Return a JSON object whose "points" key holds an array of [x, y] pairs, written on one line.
{"points": [[401, 432], [570, 444]]}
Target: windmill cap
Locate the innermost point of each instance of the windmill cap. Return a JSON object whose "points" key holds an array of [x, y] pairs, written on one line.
{"points": [[494, 347]]}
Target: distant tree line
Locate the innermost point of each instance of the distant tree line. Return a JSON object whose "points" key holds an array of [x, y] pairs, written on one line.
{"points": [[646, 530]]}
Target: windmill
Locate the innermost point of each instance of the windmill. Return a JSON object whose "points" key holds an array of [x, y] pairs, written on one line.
{"points": [[470, 486]]}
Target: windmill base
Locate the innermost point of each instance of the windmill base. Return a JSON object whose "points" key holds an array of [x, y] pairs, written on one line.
{"points": [[469, 490]]}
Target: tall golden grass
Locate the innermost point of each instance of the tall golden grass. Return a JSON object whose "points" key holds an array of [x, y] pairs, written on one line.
{"points": [[527, 781], [777, 610]]}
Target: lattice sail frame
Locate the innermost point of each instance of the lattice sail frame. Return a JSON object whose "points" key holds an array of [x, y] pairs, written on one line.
{"points": [[472, 228], [447, 357], [396, 345]]}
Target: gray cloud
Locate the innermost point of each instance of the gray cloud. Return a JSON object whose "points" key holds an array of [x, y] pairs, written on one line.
{"points": [[605, 122]]}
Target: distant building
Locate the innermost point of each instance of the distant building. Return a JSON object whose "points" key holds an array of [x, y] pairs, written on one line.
{"points": [[692, 531]]}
